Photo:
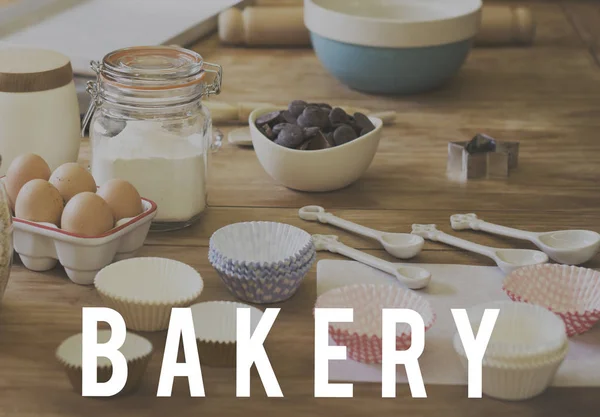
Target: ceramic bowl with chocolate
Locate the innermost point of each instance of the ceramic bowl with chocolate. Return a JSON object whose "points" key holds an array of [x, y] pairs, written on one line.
{"points": [[314, 146]]}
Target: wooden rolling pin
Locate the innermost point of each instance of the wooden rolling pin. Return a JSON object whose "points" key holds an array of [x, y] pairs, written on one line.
{"points": [[284, 26]]}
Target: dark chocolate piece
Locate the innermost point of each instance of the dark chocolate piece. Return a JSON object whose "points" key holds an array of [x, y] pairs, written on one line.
{"points": [[268, 132], [290, 136], [288, 117], [363, 121], [318, 142], [313, 117], [296, 107], [338, 116], [344, 134], [311, 132], [481, 143], [267, 118]]}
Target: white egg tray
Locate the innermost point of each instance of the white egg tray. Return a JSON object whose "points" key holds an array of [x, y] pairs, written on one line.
{"points": [[41, 245]]}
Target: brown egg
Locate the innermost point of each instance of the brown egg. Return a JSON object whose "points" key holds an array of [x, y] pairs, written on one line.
{"points": [[122, 197], [23, 169], [39, 201], [71, 179], [87, 214]]}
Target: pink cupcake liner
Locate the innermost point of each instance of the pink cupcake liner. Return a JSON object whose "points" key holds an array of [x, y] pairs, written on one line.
{"points": [[362, 337], [571, 292]]}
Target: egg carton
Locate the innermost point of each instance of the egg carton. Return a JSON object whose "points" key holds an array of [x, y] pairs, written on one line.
{"points": [[41, 245]]}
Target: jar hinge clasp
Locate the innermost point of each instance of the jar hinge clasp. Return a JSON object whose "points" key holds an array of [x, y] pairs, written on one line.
{"points": [[93, 90]]}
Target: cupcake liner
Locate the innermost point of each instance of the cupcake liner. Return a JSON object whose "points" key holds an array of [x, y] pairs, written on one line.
{"points": [[144, 290], [260, 244], [571, 292], [215, 328], [521, 331], [252, 272], [274, 289], [362, 337], [518, 381], [136, 349]]}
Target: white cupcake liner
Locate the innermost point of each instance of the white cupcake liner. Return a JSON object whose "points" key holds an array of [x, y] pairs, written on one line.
{"points": [[144, 290], [521, 331], [571, 292], [518, 381], [260, 244], [362, 337], [136, 349], [215, 327]]}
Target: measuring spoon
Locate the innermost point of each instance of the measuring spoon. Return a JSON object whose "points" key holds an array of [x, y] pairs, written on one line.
{"points": [[400, 245], [507, 259], [412, 276], [571, 247]]}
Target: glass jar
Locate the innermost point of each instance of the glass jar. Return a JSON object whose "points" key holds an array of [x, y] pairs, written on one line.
{"points": [[148, 126], [6, 239]]}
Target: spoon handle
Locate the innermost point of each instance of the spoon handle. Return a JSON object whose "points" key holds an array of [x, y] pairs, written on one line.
{"points": [[429, 231], [316, 213], [471, 221], [332, 244]]}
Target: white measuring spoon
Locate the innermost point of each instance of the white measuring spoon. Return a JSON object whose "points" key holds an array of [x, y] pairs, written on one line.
{"points": [[412, 276], [507, 259], [400, 245], [571, 247]]}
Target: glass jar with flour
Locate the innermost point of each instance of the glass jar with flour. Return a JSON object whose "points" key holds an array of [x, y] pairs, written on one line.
{"points": [[148, 126]]}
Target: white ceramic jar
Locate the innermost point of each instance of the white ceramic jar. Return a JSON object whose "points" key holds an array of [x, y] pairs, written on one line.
{"points": [[39, 111]]}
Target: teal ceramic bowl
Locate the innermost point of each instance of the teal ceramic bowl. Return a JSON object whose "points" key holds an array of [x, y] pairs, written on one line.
{"points": [[392, 46]]}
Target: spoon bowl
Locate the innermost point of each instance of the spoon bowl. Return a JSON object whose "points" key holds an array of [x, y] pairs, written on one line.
{"points": [[510, 259], [571, 247], [402, 245]]}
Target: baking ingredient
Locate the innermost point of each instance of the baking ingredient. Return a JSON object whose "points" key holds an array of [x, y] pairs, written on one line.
{"points": [[313, 126], [87, 214], [162, 166], [122, 198], [23, 169], [71, 179], [481, 143], [39, 201]]}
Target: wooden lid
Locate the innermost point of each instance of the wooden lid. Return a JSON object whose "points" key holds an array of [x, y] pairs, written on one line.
{"points": [[24, 70]]}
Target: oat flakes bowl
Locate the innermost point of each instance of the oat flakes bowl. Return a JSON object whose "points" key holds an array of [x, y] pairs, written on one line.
{"points": [[320, 170]]}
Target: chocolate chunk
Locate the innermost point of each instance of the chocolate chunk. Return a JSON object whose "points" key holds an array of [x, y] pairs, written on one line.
{"points": [[313, 117], [481, 143], [329, 138], [310, 132], [318, 142], [268, 132], [304, 145], [267, 118], [365, 131], [288, 117], [290, 136], [363, 121], [344, 134], [279, 127], [338, 116], [323, 106], [296, 107]]}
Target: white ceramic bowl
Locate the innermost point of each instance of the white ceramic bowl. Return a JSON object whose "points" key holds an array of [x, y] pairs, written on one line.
{"points": [[322, 170]]}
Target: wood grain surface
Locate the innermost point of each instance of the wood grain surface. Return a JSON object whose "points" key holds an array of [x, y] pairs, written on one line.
{"points": [[547, 97]]}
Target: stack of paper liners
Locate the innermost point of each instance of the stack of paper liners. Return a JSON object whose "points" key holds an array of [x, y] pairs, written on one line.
{"points": [[464, 166], [136, 349]]}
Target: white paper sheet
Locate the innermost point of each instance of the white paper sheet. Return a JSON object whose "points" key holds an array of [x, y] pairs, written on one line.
{"points": [[452, 286], [90, 29]]}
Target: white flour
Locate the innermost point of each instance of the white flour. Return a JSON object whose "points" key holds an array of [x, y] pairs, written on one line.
{"points": [[163, 167]]}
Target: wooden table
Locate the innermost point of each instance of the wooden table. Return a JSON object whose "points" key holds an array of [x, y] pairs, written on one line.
{"points": [[547, 97]]}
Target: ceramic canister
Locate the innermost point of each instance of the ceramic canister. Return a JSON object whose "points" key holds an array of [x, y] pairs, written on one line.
{"points": [[39, 111]]}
